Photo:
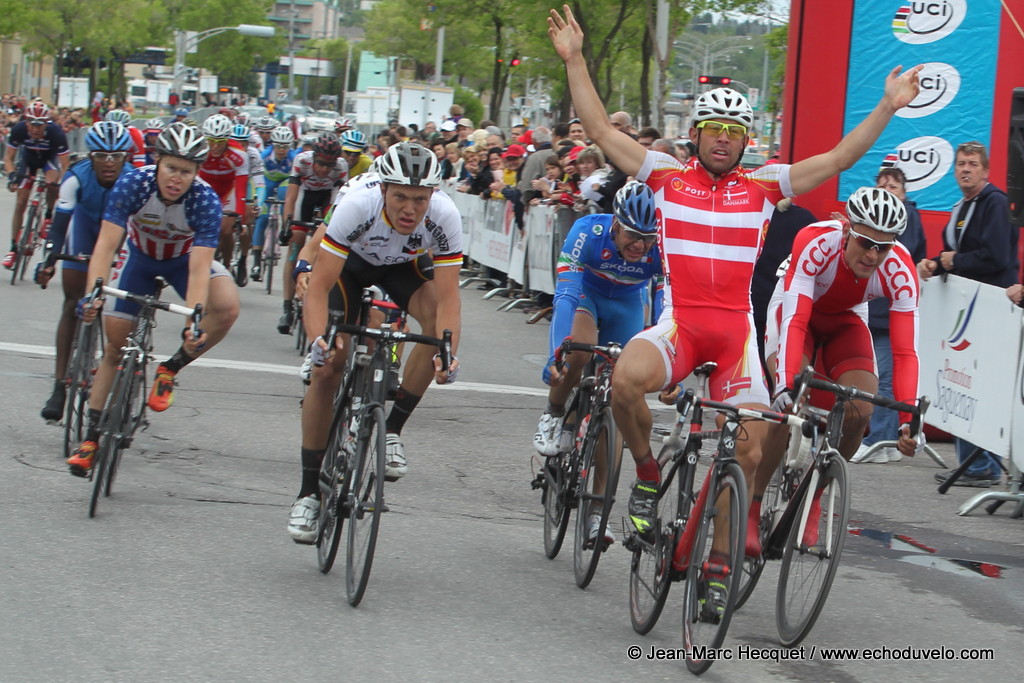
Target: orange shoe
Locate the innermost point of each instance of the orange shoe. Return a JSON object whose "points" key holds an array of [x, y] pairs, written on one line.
{"points": [[753, 546], [162, 395], [80, 462], [813, 520]]}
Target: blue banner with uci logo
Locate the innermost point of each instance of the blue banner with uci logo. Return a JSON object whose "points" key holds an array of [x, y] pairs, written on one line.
{"points": [[958, 42]]}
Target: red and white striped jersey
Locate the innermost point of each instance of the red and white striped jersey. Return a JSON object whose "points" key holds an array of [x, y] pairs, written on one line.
{"points": [[711, 231], [226, 173]]}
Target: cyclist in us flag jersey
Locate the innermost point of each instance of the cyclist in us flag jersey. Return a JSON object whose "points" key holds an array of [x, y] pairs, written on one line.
{"points": [[821, 303], [172, 219], [712, 215]]}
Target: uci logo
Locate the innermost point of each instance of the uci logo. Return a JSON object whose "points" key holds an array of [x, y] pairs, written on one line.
{"points": [[939, 85], [924, 160], [925, 21]]}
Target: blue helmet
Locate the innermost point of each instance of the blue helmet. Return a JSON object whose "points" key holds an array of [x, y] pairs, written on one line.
{"points": [[118, 116], [353, 140], [634, 207], [107, 136], [240, 131], [181, 111]]}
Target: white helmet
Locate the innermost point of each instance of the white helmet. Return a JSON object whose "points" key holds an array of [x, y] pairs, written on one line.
{"points": [[282, 135], [878, 209], [723, 103], [408, 163], [217, 126]]}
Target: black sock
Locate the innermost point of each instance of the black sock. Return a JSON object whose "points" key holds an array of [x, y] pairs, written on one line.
{"points": [[59, 387], [556, 411], [404, 404], [311, 460], [92, 429], [179, 360]]}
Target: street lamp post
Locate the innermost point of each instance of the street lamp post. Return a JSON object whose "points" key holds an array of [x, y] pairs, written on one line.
{"points": [[186, 41]]}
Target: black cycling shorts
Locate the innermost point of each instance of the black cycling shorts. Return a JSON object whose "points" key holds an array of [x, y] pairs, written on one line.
{"points": [[400, 281]]}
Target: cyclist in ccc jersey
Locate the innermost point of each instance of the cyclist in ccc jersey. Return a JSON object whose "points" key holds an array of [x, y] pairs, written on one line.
{"points": [[43, 147], [406, 237], [79, 213], [601, 297], [172, 219], [277, 159], [319, 173], [821, 302], [713, 214]]}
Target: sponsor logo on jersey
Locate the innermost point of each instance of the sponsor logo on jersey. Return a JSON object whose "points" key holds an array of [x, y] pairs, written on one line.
{"points": [[940, 82], [923, 160], [414, 245], [359, 231], [437, 233], [925, 21], [606, 254]]}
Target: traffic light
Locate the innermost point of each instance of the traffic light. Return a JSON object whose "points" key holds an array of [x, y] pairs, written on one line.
{"points": [[714, 80], [515, 61]]}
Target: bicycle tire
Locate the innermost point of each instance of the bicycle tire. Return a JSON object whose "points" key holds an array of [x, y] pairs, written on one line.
{"points": [[557, 473], [600, 442], [98, 474], [78, 380], [269, 252], [365, 502], [21, 246], [333, 476], [650, 571], [805, 577], [134, 404], [704, 633], [771, 503], [32, 238], [110, 438]]}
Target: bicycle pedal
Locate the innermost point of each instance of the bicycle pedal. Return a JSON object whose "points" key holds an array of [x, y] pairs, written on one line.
{"points": [[539, 482]]}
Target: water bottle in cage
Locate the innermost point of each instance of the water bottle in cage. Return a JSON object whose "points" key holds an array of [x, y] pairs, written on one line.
{"points": [[582, 431]]}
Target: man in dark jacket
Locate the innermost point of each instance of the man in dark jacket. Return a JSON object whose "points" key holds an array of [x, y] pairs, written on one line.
{"points": [[885, 423], [978, 243]]}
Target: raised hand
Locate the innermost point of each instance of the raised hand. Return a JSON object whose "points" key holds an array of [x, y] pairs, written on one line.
{"points": [[565, 34], [901, 89]]}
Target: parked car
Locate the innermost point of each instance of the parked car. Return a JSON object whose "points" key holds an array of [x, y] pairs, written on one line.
{"points": [[284, 112], [321, 119]]}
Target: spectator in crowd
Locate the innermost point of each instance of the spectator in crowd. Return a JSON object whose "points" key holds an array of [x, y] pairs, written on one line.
{"points": [[684, 150], [647, 136], [576, 132], [978, 243], [884, 424], [448, 131], [478, 138], [470, 167], [453, 159], [463, 129], [534, 167], [506, 183], [489, 172], [666, 146], [548, 189], [623, 122], [495, 137], [559, 133], [455, 112]]}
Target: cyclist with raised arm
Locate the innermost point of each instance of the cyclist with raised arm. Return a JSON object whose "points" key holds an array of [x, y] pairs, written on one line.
{"points": [[601, 293], [319, 173], [713, 214], [277, 160], [406, 237], [172, 221], [76, 225], [820, 305], [42, 146], [226, 169]]}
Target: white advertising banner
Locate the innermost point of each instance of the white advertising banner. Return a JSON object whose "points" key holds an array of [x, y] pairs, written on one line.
{"points": [[970, 345], [540, 231], [1017, 431]]}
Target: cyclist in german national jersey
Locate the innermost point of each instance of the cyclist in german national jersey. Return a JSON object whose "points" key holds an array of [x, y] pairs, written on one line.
{"points": [[42, 146], [76, 225], [713, 214], [601, 297], [406, 237], [277, 161], [319, 173], [172, 220], [820, 306], [226, 169]]}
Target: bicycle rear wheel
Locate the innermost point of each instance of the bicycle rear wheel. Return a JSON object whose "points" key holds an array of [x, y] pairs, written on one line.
{"points": [[706, 620], [365, 502], [650, 572], [128, 399], [600, 445], [85, 356], [332, 499], [808, 569]]}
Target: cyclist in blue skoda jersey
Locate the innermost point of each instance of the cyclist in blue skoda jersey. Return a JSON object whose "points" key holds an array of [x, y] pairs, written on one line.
{"points": [[601, 293], [278, 158], [76, 225]]}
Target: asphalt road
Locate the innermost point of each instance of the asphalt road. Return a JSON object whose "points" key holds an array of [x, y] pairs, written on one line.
{"points": [[187, 572]]}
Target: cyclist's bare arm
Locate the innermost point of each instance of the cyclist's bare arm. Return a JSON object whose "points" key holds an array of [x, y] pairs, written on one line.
{"points": [[107, 244], [449, 309], [289, 202], [65, 161], [567, 37], [321, 279], [9, 159], [900, 89]]}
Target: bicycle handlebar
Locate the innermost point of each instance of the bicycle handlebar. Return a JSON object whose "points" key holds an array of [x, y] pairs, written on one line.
{"points": [[610, 352], [689, 398], [152, 302], [808, 380]]}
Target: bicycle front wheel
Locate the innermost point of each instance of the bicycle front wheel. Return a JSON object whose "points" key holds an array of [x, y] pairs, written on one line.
{"points": [[650, 572], [771, 503], [112, 435], [810, 561], [365, 502], [21, 246], [600, 446], [270, 252], [332, 497], [716, 561]]}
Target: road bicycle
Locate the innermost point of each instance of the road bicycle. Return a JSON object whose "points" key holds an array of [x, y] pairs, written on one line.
{"points": [[30, 236], [810, 548], [571, 480], [125, 409], [271, 253], [699, 535], [353, 471]]}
